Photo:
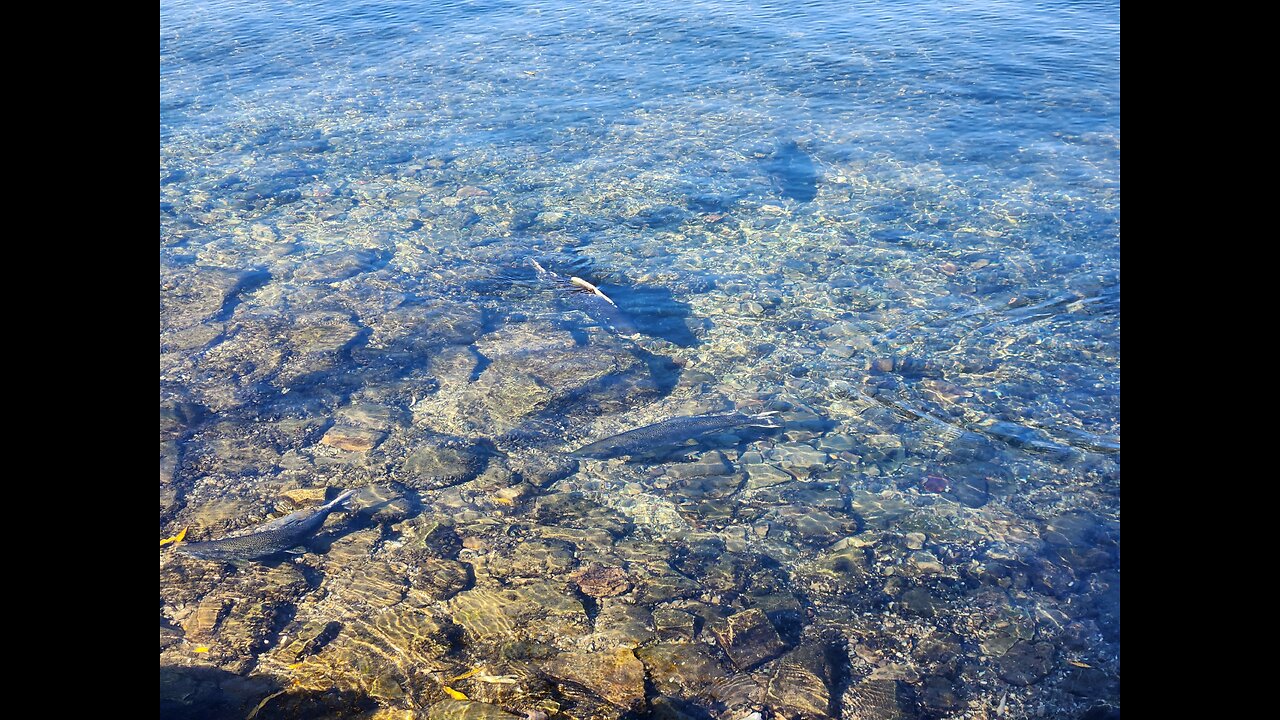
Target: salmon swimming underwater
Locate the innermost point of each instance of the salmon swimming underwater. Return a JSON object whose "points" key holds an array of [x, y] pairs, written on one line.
{"points": [[668, 437], [591, 300], [269, 538]]}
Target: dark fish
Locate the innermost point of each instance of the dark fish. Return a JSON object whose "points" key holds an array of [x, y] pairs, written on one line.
{"points": [[793, 172], [1027, 438], [668, 436], [1091, 441], [591, 300], [270, 538]]}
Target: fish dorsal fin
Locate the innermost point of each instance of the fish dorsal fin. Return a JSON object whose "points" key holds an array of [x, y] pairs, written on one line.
{"points": [[592, 289]]}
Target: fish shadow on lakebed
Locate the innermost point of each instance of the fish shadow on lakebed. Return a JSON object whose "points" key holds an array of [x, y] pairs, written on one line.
{"points": [[655, 312], [792, 171]]}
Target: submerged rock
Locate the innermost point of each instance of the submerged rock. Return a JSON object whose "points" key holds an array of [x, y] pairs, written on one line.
{"points": [[680, 669], [615, 675], [939, 694], [797, 685], [748, 638], [601, 581], [672, 624], [710, 464], [468, 710], [352, 439], [1026, 663], [535, 371], [543, 611], [874, 699], [441, 461], [619, 623]]}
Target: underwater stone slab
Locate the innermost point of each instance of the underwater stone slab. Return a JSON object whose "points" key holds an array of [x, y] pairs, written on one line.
{"points": [[373, 416], [655, 587], [711, 464], [578, 510], [764, 475], [193, 295], [339, 265], [600, 581], [1026, 663], [621, 624], [1091, 683], [301, 497], [680, 669], [177, 418], [1006, 630], [615, 675], [873, 699], [352, 439], [550, 355], [537, 610], [748, 638], [536, 558], [442, 460], [536, 368], [432, 579], [201, 623], [925, 563], [918, 601], [168, 460], [799, 455], [939, 694], [798, 684], [672, 624], [308, 639], [880, 510]]}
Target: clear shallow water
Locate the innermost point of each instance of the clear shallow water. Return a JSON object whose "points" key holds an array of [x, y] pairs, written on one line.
{"points": [[896, 224]]}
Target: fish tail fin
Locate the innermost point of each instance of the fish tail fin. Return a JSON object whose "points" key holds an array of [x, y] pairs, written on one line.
{"points": [[341, 500]]}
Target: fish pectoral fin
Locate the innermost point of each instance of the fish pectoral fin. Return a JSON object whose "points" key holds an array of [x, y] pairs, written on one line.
{"points": [[297, 550]]}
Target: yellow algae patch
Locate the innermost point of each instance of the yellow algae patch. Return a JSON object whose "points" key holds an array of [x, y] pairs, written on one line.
{"points": [[174, 538]]}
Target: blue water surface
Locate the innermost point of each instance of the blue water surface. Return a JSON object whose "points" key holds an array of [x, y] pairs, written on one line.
{"points": [[894, 225]]}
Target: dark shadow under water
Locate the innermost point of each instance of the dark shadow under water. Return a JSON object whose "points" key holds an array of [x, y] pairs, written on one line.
{"points": [[206, 693], [792, 172]]}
